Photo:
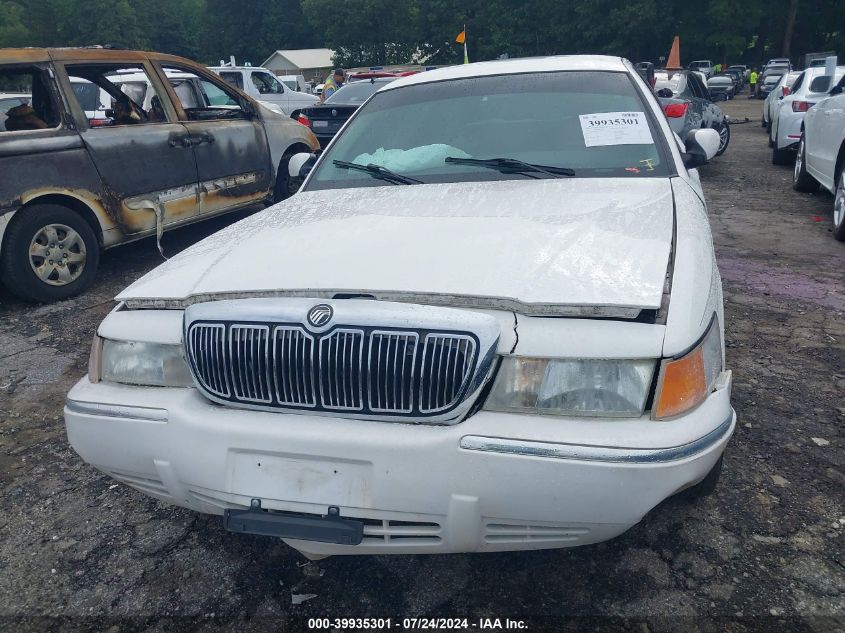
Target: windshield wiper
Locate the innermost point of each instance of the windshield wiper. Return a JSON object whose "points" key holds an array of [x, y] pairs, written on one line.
{"points": [[512, 166], [378, 172]]}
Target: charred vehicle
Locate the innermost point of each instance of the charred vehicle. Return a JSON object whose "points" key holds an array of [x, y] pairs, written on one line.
{"points": [[76, 182]]}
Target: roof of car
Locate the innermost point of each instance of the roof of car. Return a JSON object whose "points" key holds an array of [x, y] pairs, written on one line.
{"points": [[514, 67], [83, 54]]}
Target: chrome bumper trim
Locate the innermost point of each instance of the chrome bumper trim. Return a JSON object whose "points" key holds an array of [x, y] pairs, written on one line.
{"points": [[599, 453], [147, 414]]}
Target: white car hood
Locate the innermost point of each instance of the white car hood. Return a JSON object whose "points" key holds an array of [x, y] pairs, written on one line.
{"points": [[550, 246]]}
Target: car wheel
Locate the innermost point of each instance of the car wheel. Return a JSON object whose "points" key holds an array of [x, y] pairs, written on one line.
{"points": [[801, 180], [781, 156], [772, 135], [706, 486], [50, 253], [724, 130], [285, 185], [839, 208]]}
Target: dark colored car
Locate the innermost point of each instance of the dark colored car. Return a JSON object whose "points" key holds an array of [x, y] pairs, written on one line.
{"points": [[71, 187], [737, 77], [721, 87], [768, 83], [687, 105], [326, 119]]}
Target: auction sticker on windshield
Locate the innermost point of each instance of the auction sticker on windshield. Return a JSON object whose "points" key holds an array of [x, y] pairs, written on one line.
{"points": [[615, 128]]}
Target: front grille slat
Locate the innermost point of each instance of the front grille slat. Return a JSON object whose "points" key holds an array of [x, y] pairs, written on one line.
{"points": [[371, 372]]}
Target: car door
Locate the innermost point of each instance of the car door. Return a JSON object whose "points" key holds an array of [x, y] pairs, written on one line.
{"points": [[824, 126], [228, 138], [696, 107], [267, 88], [145, 158], [708, 110]]}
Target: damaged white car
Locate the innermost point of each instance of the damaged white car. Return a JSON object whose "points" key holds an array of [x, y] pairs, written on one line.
{"points": [[490, 320]]}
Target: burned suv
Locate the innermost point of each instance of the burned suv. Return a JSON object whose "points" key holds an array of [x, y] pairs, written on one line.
{"points": [[92, 160]]}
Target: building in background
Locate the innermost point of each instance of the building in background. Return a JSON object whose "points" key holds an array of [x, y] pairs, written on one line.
{"points": [[314, 64]]}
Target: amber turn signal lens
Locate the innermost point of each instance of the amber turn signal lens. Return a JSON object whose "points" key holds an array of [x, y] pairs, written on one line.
{"points": [[682, 385]]}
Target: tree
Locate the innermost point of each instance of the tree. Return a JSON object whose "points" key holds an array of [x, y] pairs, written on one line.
{"points": [[13, 31]]}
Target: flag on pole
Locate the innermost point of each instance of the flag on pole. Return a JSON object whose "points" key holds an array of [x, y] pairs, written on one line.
{"points": [[462, 39]]}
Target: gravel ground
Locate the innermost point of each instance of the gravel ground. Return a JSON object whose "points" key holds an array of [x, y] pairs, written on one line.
{"points": [[765, 552]]}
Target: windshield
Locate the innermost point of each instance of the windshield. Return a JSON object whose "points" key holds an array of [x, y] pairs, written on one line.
{"points": [[772, 79], [595, 123], [720, 81], [356, 92]]}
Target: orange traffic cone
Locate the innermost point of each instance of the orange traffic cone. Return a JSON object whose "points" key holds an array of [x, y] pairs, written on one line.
{"points": [[674, 61]]}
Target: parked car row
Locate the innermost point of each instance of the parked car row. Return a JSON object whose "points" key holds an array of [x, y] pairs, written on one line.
{"points": [[787, 116], [820, 156]]}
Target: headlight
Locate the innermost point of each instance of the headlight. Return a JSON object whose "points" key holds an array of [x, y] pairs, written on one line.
{"points": [[134, 363], [594, 387], [685, 382]]}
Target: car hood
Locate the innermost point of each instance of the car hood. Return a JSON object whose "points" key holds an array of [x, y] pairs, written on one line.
{"points": [[552, 246]]}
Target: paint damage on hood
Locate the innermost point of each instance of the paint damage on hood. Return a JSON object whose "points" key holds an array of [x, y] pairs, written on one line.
{"points": [[580, 246]]}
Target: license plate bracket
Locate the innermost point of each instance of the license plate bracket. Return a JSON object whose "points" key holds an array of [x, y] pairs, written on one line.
{"points": [[331, 528]]}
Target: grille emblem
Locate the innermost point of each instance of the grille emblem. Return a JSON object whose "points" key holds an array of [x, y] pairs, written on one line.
{"points": [[320, 314]]}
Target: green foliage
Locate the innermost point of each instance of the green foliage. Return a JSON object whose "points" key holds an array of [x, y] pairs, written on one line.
{"points": [[13, 31], [369, 32]]}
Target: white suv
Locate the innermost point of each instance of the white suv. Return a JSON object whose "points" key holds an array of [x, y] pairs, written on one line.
{"points": [[480, 332], [703, 66]]}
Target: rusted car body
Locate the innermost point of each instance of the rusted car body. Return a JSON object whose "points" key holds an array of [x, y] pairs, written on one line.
{"points": [[128, 181]]}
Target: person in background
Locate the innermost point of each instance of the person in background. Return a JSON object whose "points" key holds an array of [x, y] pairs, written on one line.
{"points": [[334, 82], [752, 83], [717, 69]]}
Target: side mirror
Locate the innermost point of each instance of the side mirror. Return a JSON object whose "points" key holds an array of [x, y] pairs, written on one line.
{"points": [[299, 165], [701, 146]]}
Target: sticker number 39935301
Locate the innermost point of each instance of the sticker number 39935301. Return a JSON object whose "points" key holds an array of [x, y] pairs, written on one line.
{"points": [[615, 128]]}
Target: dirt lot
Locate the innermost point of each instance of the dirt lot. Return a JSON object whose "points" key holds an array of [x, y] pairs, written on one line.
{"points": [[766, 552]]}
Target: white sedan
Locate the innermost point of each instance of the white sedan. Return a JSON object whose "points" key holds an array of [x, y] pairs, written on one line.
{"points": [[788, 114], [781, 89], [821, 153], [490, 320]]}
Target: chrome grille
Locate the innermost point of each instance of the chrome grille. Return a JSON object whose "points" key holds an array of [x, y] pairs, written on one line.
{"points": [[207, 345], [340, 370], [391, 361], [249, 362], [447, 361], [370, 372], [293, 366]]}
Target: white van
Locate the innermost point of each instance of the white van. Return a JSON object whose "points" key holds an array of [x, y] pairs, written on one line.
{"points": [[262, 85]]}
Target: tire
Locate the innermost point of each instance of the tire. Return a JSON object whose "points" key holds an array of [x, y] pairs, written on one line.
{"points": [[724, 130], [839, 208], [801, 180], [38, 233], [781, 156], [771, 137], [706, 486], [285, 186]]}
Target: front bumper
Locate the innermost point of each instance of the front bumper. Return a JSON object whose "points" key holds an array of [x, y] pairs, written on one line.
{"points": [[493, 482]]}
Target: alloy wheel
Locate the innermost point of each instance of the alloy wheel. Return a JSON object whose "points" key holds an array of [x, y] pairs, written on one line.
{"points": [[57, 254], [839, 202], [723, 136], [799, 161]]}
